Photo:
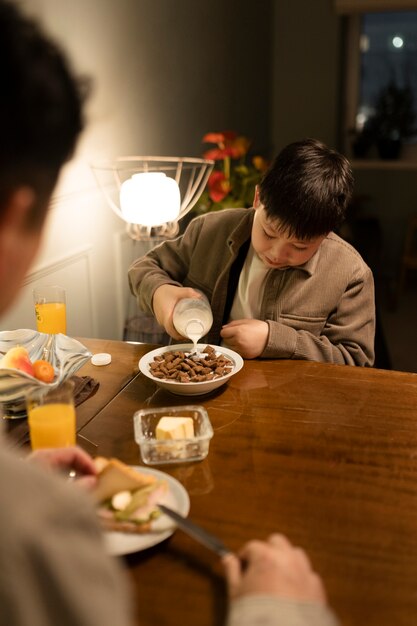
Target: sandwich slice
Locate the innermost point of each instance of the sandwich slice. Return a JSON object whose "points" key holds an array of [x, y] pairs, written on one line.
{"points": [[127, 499]]}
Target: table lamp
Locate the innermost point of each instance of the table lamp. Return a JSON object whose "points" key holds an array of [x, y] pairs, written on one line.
{"points": [[151, 194]]}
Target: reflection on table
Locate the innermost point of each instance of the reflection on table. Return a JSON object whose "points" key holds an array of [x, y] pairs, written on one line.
{"points": [[325, 454]]}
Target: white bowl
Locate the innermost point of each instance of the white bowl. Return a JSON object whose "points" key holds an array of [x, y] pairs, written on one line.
{"points": [[67, 355], [190, 389]]}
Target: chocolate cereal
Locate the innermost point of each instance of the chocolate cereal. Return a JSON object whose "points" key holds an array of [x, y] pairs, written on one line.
{"points": [[184, 367]]}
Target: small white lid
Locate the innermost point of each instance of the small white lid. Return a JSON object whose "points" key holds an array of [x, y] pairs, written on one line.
{"points": [[102, 358]]}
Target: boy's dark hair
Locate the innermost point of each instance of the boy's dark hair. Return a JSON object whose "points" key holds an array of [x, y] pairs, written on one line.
{"points": [[307, 189], [40, 108]]}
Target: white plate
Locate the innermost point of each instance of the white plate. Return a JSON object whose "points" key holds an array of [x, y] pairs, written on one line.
{"points": [[176, 497], [190, 389]]}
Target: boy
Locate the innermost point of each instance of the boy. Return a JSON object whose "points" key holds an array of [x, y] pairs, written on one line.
{"points": [[280, 282]]}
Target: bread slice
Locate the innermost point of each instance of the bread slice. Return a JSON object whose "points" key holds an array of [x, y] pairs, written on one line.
{"points": [[115, 476]]}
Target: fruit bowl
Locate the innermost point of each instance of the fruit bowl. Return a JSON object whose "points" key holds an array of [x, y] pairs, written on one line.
{"points": [[67, 355]]}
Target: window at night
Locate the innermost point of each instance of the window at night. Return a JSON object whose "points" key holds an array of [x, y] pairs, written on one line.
{"points": [[387, 90]]}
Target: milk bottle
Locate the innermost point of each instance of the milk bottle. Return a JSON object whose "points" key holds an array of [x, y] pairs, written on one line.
{"points": [[193, 318]]}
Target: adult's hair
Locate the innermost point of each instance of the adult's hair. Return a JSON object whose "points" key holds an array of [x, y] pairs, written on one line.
{"points": [[40, 109], [307, 189]]}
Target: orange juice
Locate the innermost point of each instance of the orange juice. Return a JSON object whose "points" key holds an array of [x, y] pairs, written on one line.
{"points": [[52, 425], [51, 317]]}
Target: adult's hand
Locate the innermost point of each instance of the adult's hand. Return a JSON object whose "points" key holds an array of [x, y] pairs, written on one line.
{"points": [[164, 300], [273, 567], [71, 458]]}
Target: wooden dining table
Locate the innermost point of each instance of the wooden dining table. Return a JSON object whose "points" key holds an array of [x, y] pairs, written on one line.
{"points": [[325, 454]]}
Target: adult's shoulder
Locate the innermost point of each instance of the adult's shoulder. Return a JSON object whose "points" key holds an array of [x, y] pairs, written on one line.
{"points": [[53, 548]]}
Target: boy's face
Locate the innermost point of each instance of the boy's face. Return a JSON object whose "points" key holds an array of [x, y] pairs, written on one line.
{"points": [[275, 248]]}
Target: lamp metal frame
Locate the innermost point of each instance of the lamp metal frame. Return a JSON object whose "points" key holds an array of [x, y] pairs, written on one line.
{"points": [[191, 175]]}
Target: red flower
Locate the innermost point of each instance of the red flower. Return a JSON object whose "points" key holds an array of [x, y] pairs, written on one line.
{"points": [[227, 135], [218, 186], [229, 144], [232, 182], [217, 154]]}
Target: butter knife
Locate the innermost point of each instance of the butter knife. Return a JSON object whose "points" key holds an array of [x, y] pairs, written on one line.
{"points": [[196, 532]]}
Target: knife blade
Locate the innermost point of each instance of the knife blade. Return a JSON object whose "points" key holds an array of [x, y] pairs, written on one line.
{"points": [[197, 532]]}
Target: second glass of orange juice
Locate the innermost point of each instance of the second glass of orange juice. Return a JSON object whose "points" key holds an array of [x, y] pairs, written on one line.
{"points": [[50, 309], [51, 417]]}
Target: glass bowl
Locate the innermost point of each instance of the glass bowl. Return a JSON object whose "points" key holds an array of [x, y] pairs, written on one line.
{"points": [[161, 451], [66, 354]]}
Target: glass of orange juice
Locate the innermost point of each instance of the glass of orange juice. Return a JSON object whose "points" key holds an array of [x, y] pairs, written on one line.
{"points": [[50, 309], [51, 416]]}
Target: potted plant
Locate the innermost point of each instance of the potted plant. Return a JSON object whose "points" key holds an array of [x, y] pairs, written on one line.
{"points": [[394, 119], [233, 180]]}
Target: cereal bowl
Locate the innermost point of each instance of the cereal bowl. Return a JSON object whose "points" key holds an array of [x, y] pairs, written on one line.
{"points": [[66, 354], [191, 388]]}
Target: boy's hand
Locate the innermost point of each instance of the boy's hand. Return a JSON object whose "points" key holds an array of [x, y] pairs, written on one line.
{"points": [[164, 300], [273, 567], [247, 337]]}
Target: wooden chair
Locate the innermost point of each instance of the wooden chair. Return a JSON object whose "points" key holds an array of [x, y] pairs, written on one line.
{"points": [[409, 257]]}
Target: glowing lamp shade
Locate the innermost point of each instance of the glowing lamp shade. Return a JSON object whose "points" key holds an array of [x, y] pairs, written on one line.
{"points": [[150, 199]]}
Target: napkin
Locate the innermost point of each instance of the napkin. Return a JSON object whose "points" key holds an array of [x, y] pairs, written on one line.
{"points": [[84, 387]]}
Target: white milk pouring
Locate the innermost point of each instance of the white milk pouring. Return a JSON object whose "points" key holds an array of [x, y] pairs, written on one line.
{"points": [[194, 331], [193, 318]]}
